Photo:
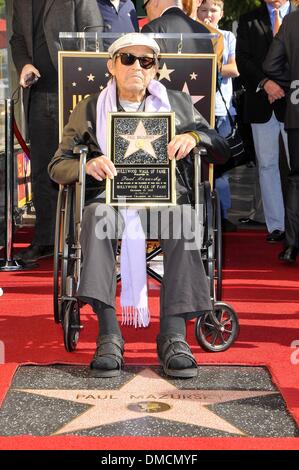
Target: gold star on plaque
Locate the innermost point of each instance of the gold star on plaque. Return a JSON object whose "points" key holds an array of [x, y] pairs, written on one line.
{"points": [[74, 84], [101, 87], [140, 140], [195, 98], [147, 394], [193, 76], [164, 72], [91, 77]]}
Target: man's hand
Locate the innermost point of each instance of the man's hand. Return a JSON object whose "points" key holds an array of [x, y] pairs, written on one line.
{"points": [[101, 168], [274, 91], [28, 70], [180, 146]]}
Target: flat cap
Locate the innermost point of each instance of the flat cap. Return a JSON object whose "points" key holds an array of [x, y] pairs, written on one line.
{"points": [[133, 39]]}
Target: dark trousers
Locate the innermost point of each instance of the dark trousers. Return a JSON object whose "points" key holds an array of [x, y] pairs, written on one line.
{"points": [[184, 287], [292, 199], [43, 134]]}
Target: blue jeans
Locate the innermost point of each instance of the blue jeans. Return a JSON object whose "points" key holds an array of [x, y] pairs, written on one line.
{"points": [[266, 143], [222, 183]]}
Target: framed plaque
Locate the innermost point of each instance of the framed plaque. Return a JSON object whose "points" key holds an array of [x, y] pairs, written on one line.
{"points": [[137, 145]]}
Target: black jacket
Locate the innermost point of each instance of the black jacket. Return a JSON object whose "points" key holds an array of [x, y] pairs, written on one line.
{"points": [[254, 38], [174, 20], [282, 65], [59, 15], [81, 129]]}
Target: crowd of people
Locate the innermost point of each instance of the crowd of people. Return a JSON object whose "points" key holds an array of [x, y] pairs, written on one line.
{"points": [[263, 56]]}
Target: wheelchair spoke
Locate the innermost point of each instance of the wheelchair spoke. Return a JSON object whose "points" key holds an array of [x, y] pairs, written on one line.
{"points": [[214, 338]]}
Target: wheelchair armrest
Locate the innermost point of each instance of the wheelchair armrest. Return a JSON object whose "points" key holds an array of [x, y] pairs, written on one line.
{"points": [[198, 152]]}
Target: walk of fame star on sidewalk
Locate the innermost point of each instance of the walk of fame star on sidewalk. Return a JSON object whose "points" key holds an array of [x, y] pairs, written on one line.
{"points": [[148, 394]]}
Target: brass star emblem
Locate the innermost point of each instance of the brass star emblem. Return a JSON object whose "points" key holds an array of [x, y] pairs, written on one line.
{"points": [[148, 394], [164, 72], [140, 140]]}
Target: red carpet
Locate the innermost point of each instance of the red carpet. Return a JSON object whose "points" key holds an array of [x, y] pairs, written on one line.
{"points": [[263, 291]]}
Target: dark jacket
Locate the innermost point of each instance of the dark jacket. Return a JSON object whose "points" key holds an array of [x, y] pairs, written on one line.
{"points": [[254, 37], [282, 66], [174, 20], [59, 16], [81, 128], [122, 21]]}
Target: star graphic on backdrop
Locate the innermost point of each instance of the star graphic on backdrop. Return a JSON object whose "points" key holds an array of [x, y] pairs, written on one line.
{"points": [[107, 75], [195, 98], [147, 394], [193, 76], [101, 87], [140, 140], [164, 72], [80, 69], [74, 84], [91, 77]]}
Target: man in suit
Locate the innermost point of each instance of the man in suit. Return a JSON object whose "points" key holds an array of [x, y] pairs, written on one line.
{"points": [[282, 66], [35, 44], [167, 16], [255, 34]]}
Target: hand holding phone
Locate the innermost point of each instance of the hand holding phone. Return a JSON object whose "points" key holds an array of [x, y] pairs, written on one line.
{"points": [[29, 76], [30, 79]]}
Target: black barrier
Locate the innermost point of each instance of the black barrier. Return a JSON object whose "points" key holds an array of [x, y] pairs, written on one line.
{"points": [[9, 263]]}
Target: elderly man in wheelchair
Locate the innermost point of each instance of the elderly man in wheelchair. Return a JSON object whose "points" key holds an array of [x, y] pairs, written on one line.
{"points": [[185, 294]]}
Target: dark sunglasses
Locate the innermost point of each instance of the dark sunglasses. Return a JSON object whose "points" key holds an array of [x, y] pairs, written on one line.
{"points": [[145, 5], [130, 59]]}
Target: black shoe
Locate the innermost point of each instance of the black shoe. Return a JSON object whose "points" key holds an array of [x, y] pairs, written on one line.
{"points": [[289, 254], [228, 226], [275, 236], [108, 358], [34, 252], [250, 222]]}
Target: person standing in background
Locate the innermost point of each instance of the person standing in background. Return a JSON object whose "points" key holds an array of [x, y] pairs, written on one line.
{"points": [[190, 8], [119, 17], [167, 16], [282, 66], [35, 44], [254, 36], [210, 12]]}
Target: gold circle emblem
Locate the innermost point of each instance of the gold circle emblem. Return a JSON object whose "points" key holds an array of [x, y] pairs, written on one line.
{"points": [[149, 407]]}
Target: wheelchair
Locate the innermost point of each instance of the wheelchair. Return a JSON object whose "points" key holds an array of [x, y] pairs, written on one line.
{"points": [[215, 331]]}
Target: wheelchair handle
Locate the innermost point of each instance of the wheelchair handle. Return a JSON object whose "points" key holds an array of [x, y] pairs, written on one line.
{"points": [[79, 149], [198, 152]]}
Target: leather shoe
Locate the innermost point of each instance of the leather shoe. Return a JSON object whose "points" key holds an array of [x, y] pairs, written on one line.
{"points": [[289, 254], [275, 236], [34, 252]]}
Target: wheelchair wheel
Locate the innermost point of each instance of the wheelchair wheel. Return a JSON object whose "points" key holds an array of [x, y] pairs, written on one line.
{"points": [[218, 330], [71, 324], [57, 255], [64, 237]]}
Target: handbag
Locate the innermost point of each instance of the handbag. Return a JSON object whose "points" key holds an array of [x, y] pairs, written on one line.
{"points": [[238, 154]]}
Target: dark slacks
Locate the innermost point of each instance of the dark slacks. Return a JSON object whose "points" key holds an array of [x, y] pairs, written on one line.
{"points": [[184, 287], [43, 134], [292, 199]]}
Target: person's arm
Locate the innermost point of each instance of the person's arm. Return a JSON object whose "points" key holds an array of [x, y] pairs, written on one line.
{"points": [[275, 65], [218, 151], [88, 14], [250, 72], [17, 41], [64, 166], [230, 70]]}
